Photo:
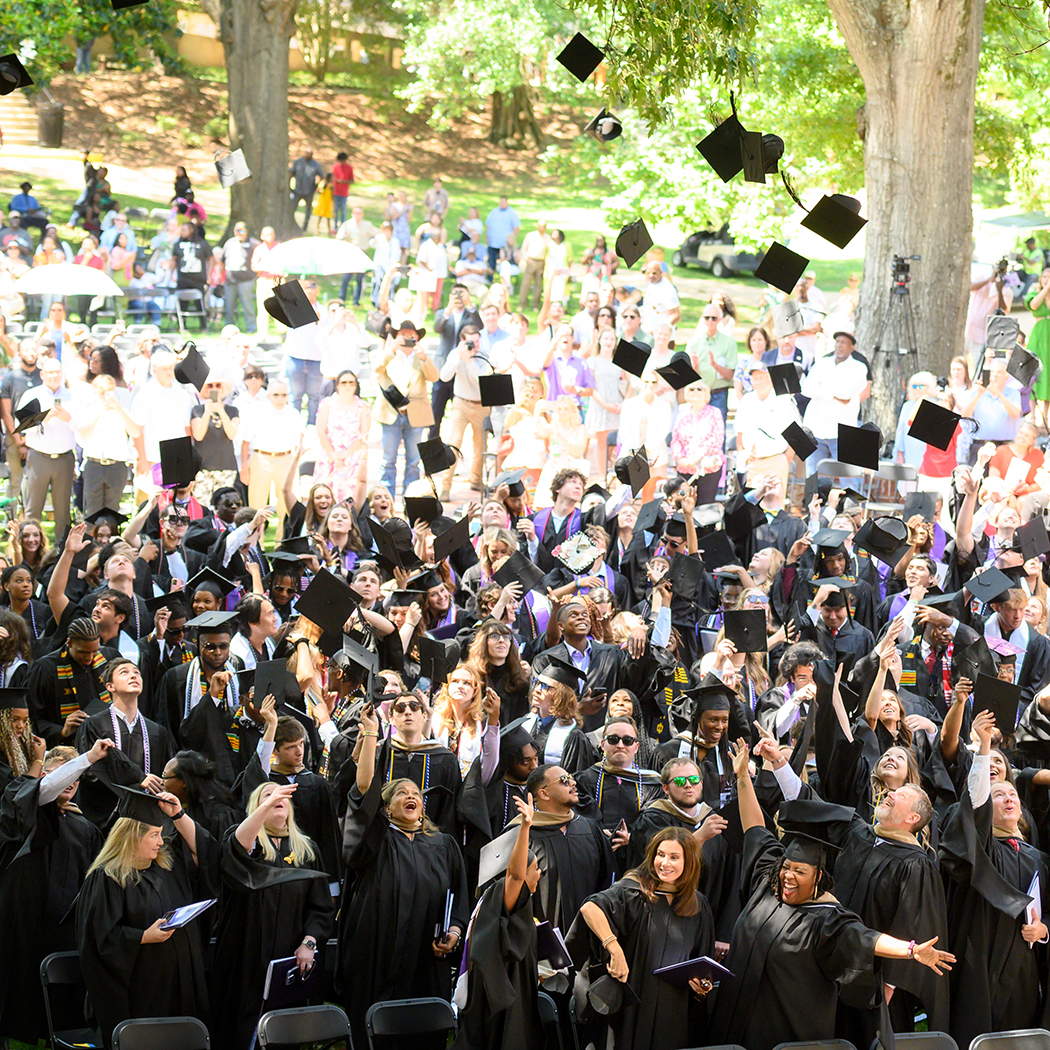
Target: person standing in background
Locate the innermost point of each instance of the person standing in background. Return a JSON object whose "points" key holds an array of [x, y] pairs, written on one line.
{"points": [[342, 180]]}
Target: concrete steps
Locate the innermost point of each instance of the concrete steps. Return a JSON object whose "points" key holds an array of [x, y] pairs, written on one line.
{"points": [[18, 119]]}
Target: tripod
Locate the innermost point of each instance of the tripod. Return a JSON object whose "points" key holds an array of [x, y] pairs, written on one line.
{"points": [[896, 338]]}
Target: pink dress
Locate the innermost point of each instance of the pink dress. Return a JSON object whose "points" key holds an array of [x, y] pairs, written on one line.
{"points": [[345, 425]]}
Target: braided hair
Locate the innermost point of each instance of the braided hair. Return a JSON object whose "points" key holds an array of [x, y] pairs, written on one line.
{"points": [[82, 629]]}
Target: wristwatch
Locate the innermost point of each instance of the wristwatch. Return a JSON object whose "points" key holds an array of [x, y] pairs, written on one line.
{"points": [[309, 942]]}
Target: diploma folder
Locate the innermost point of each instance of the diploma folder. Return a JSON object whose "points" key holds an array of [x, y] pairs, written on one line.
{"points": [[286, 986], [550, 946], [178, 918], [680, 974]]}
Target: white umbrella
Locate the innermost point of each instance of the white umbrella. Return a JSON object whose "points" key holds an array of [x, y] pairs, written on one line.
{"points": [[307, 256], [67, 279]]}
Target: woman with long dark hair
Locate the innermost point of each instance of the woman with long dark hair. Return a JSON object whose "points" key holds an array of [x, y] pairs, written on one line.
{"points": [[28, 543], [653, 917], [344, 544], [494, 656], [18, 585], [192, 778]]}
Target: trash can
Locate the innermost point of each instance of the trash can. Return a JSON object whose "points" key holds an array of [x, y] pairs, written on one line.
{"points": [[49, 119]]}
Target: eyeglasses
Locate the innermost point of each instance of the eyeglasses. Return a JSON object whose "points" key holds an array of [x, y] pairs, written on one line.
{"points": [[712, 317], [758, 599], [565, 778], [407, 705], [682, 781], [544, 687], [215, 647], [175, 632], [627, 741], [178, 519]]}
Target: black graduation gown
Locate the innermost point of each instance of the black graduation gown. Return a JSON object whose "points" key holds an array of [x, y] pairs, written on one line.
{"points": [[609, 797], [268, 907], [47, 695], [126, 978], [44, 855], [896, 888], [314, 810], [500, 794], [792, 963], [604, 673], [434, 770], [996, 982], [393, 898], [154, 662], [651, 935], [577, 750], [576, 860], [502, 1010], [95, 797], [514, 703]]}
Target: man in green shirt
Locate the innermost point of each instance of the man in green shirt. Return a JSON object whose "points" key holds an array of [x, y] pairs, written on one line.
{"points": [[714, 354], [1032, 261]]}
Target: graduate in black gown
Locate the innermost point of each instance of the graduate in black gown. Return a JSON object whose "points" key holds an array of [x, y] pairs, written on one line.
{"points": [[518, 757], [146, 746], [281, 762], [555, 724], [46, 846], [575, 857], [795, 950], [133, 968], [997, 983], [653, 917], [275, 904], [191, 778], [21, 750], [400, 869], [501, 1011]]}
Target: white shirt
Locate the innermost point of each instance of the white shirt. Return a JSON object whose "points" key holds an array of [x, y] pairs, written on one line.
{"points": [[582, 327], [340, 349], [827, 381], [467, 369], [760, 424], [657, 303], [108, 439], [53, 436], [434, 257], [272, 429], [163, 413], [303, 342]]}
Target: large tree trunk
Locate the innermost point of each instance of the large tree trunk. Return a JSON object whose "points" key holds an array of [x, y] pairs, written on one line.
{"points": [[512, 120], [918, 60], [255, 36]]}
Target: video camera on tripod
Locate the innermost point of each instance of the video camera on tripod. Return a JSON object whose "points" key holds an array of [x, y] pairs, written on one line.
{"points": [[902, 269]]}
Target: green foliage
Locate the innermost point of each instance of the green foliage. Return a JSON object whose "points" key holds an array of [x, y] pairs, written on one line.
{"points": [[36, 31]]}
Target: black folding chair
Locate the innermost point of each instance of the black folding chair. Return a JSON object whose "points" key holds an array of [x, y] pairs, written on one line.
{"points": [[161, 1033], [1021, 1039], [401, 1017], [62, 970], [920, 1041], [549, 1017], [304, 1024], [828, 1044]]}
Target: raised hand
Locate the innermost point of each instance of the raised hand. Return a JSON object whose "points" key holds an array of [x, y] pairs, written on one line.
{"points": [[740, 757], [525, 807], [937, 961]]}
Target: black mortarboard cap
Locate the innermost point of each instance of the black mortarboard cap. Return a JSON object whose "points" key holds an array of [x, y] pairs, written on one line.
{"points": [[785, 379], [999, 697], [801, 440], [290, 561], [716, 549], [207, 575], [860, 445], [496, 390], [631, 357], [751, 156], [1023, 366], [422, 508], [140, 805], [712, 694], [451, 539], [1000, 332], [632, 242], [1033, 538], [948, 601], [604, 126], [424, 580], [830, 539], [402, 599], [512, 479], [107, 514], [192, 368], [685, 575], [388, 550], [297, 545], [649, 515], [675, 526], [29, 415], [787, 320], [289, 305], [807, 849], [781, 267], [746, 629], [329, 603], [742, 517], [269, 680], [596, 489], [834, 600], [990, 586], [213, 621], [165, 601], [580, 57], [13, 74], [817, 484], [436, 456], [179, 461], [562, 672], [518, 569], [836, 218], [922, 503], [976, 659], [394, 396], [723, 148], [633, 470], [679, 373], [232, 168], [883, 537], [14, 698], [433, 660], [359, 655], [934, 424]]}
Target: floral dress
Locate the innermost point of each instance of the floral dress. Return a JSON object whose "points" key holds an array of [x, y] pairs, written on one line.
{"points": [[345, 423]]}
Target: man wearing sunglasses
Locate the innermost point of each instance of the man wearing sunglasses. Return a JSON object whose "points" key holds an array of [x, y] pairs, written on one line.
{"points": [[614, 790], [171, 560]]}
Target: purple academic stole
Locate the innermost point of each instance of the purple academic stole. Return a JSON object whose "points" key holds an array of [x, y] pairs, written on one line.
{"points": [[575, 522], [606, 574], [540, 615]]}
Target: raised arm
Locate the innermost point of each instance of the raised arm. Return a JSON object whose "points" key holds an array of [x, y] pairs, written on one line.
{"points": [[953, 720], [964, 523], [56, 588], [369, 738], [518, 865], [750, 810], [248, 830]]}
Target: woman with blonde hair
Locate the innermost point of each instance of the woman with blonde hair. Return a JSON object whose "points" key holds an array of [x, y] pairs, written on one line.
{"points": [[1035, 613], [764, 566], [133, 966], [567, 440], [466, 720], [494, 545], [276, 904], [521, 448], [28, 543]]}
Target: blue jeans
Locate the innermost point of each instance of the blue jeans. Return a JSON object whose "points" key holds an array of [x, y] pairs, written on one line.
{"points": [[339, 209], [148, 306], [378, 273], [304, 377], [827, 448], [494, 258], [359, 278], [244, 293], [393, 436], [83, 63]]}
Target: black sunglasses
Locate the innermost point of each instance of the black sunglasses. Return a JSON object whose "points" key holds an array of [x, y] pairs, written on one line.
{"points": [[407, 705], [627, 741]]}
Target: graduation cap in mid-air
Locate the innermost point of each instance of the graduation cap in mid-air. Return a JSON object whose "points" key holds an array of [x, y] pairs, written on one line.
{"points": [[741, 517], [836, 219], [860, 446], [580, 57], [934, 424], [290, 306], [730, 148], [518, 569], [800, 439], [785, 379], [1032, 538], [678, 372], [452, 539], [685, 575], [884, 537], [990, 586], [999, 697], [633, 241], [631, 357], [13, 74], [604, 126], [496, 390], [329, 603], [1000, 332], [30, 415], [166, 601], [436, 456], [781, 267], [787, 319], [649, 516], [633, 469], [191, 367], [1023, 366], [231, 167], [922, 503], [179, 462], [716, 549], [422, 508], [746, 629]]}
